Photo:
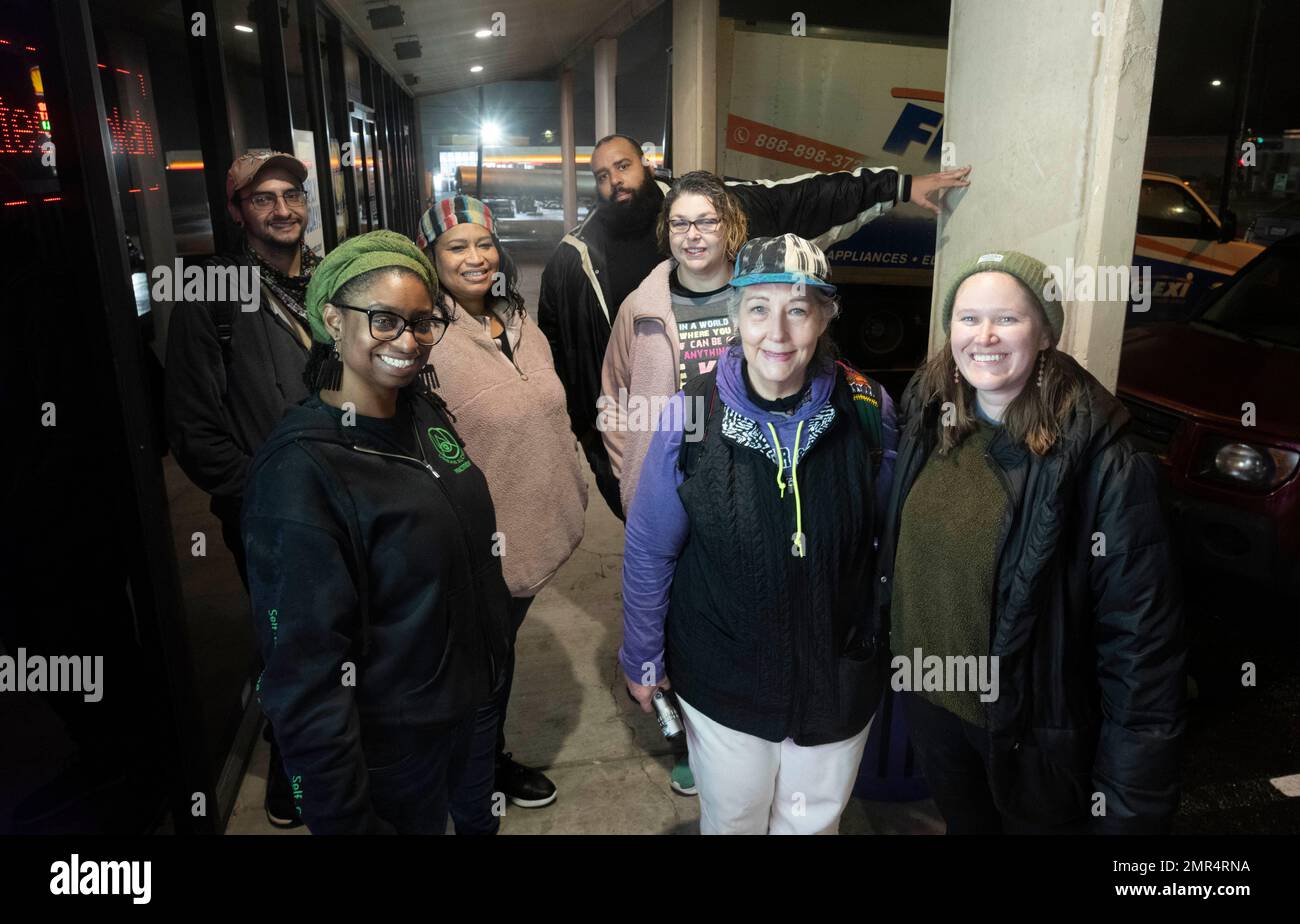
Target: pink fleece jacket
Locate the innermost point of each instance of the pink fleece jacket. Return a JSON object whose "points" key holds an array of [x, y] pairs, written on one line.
{"points": [[638, 377], [513, 420]]}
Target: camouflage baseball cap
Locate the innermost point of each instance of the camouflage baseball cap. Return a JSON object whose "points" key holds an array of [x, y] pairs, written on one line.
{"points": [[788, 258], [249, 164]]}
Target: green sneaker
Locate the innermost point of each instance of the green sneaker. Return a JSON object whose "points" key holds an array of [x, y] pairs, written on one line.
{"points": [[682, 780]]}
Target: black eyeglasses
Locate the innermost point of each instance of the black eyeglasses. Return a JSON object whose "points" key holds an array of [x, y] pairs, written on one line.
{"points": [[389, 325], [705, 225], [261, 201]]}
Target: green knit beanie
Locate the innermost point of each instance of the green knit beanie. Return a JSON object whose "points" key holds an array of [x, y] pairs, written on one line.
{"points": [[1032, 273], [376, 250]]}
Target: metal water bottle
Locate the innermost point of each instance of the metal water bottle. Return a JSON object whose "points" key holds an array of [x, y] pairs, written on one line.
{"points": [[670, 720]]}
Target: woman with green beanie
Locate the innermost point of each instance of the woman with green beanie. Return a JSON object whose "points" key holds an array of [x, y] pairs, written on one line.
{"points": [[379, 604], [1028, 590]]}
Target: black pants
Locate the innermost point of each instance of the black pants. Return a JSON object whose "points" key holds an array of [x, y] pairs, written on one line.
{"points": [[411, 784], [954, 757], [227, 510], [471, 806]]}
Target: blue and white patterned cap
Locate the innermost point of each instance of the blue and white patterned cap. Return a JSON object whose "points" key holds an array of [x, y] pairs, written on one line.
{"points": [[789, 259]]}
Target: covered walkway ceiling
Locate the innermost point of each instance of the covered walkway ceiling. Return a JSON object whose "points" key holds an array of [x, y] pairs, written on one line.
{"points": [[539, 36]]}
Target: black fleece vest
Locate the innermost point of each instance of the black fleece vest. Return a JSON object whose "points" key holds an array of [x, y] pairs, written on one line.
{"points": [[759, 639]]}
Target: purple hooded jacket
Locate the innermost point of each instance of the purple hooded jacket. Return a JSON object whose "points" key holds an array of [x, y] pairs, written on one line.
{"points": [[658, 526]]}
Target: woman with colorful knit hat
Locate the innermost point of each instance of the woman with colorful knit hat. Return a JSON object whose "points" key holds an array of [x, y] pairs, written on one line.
{"points": [[750, 551], [379, 604], [495, 371], [1028, 587]]}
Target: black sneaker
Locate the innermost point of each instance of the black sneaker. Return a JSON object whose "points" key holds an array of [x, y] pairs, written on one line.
{"points": [[280, 808], [524, 786]]}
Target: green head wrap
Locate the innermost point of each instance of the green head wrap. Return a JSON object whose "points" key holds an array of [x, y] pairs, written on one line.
{"points": [[376, 250]]}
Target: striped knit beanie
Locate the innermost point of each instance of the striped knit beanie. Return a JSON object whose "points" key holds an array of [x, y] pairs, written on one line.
{"points": [[453, 211]]}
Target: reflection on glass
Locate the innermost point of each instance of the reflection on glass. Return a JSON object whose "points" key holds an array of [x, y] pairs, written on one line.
{"points": [[152, 121], [245, 95]]}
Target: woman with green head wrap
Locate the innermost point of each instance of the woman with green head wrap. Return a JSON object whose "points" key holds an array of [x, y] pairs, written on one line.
{"points": [[379, 604]]}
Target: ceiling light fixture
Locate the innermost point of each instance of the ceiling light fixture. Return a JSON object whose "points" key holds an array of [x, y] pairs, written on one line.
{"points": [[389, 16], [407, 48]]}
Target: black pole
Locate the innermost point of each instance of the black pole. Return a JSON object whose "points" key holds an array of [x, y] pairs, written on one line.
{"points": [[668, 115], [1238, 129], [208, 72], [275, 75], [337, 103], [478, 172], [319, 115]]}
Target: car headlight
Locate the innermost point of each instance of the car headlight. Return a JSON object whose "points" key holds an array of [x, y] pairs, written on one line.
{"points": [[1247, 465]]}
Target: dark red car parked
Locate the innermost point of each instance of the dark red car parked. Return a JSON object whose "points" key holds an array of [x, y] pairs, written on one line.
{"points": [[1217, 399]]}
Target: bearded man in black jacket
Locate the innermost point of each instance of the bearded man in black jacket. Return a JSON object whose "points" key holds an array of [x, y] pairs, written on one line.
{"points": [[604, 258]]}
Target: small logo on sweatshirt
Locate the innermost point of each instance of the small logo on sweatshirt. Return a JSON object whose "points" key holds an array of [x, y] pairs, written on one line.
{"points": [[448, 449]]}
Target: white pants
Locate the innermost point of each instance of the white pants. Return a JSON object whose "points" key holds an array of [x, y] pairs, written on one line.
{"points": [[751, 786]]}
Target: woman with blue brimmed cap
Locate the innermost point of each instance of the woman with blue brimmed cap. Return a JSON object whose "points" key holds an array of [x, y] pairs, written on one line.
{"points": [[496, 373], [378, 601], [749, 555], [1025, 545]]}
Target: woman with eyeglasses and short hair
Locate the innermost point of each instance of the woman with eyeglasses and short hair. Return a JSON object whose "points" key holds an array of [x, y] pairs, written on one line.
{"points": [[496, 373], [673, 326], [379, 604]]}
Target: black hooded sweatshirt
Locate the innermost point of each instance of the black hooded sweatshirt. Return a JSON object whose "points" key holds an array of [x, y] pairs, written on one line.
{"points": [[370, 565]]}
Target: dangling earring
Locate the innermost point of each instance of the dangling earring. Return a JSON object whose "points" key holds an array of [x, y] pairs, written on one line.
{"points": [[330, 374], [1042, 362], [956, 376], [428, 377]]}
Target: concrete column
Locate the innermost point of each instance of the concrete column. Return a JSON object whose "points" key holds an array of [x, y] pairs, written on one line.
{"points": [[606, 70], [1049, 101], [568, 150], [695, 85]]}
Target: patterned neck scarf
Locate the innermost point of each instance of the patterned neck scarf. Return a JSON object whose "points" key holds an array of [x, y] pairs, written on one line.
{"points": [[291, 290]]}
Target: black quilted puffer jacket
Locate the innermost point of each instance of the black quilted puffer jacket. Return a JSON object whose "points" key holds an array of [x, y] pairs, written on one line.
{"points": [[1091, 647]]}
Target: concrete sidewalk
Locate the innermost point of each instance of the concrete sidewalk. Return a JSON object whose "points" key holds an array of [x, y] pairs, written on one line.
{"points": [[569, 712], [569, 715]]}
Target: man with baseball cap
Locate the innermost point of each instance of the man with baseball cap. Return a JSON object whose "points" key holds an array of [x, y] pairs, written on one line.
{"points": [[232, 372]]}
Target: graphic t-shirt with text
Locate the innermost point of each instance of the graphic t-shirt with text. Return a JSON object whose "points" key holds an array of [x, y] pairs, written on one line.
{"points": [[703, 327]]}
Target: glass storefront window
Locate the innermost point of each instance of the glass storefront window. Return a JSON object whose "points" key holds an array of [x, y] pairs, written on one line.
{"points": [[335, 144], [245, 94], [153, 126], [294, 69]]}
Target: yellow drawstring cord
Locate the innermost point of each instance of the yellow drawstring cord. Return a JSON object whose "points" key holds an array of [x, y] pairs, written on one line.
{"points": [[780, 461], [794, 478]]}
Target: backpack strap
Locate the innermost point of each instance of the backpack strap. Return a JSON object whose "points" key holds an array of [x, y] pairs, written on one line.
{"points": [[223, 316], [868, 400], [696, 388]]}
